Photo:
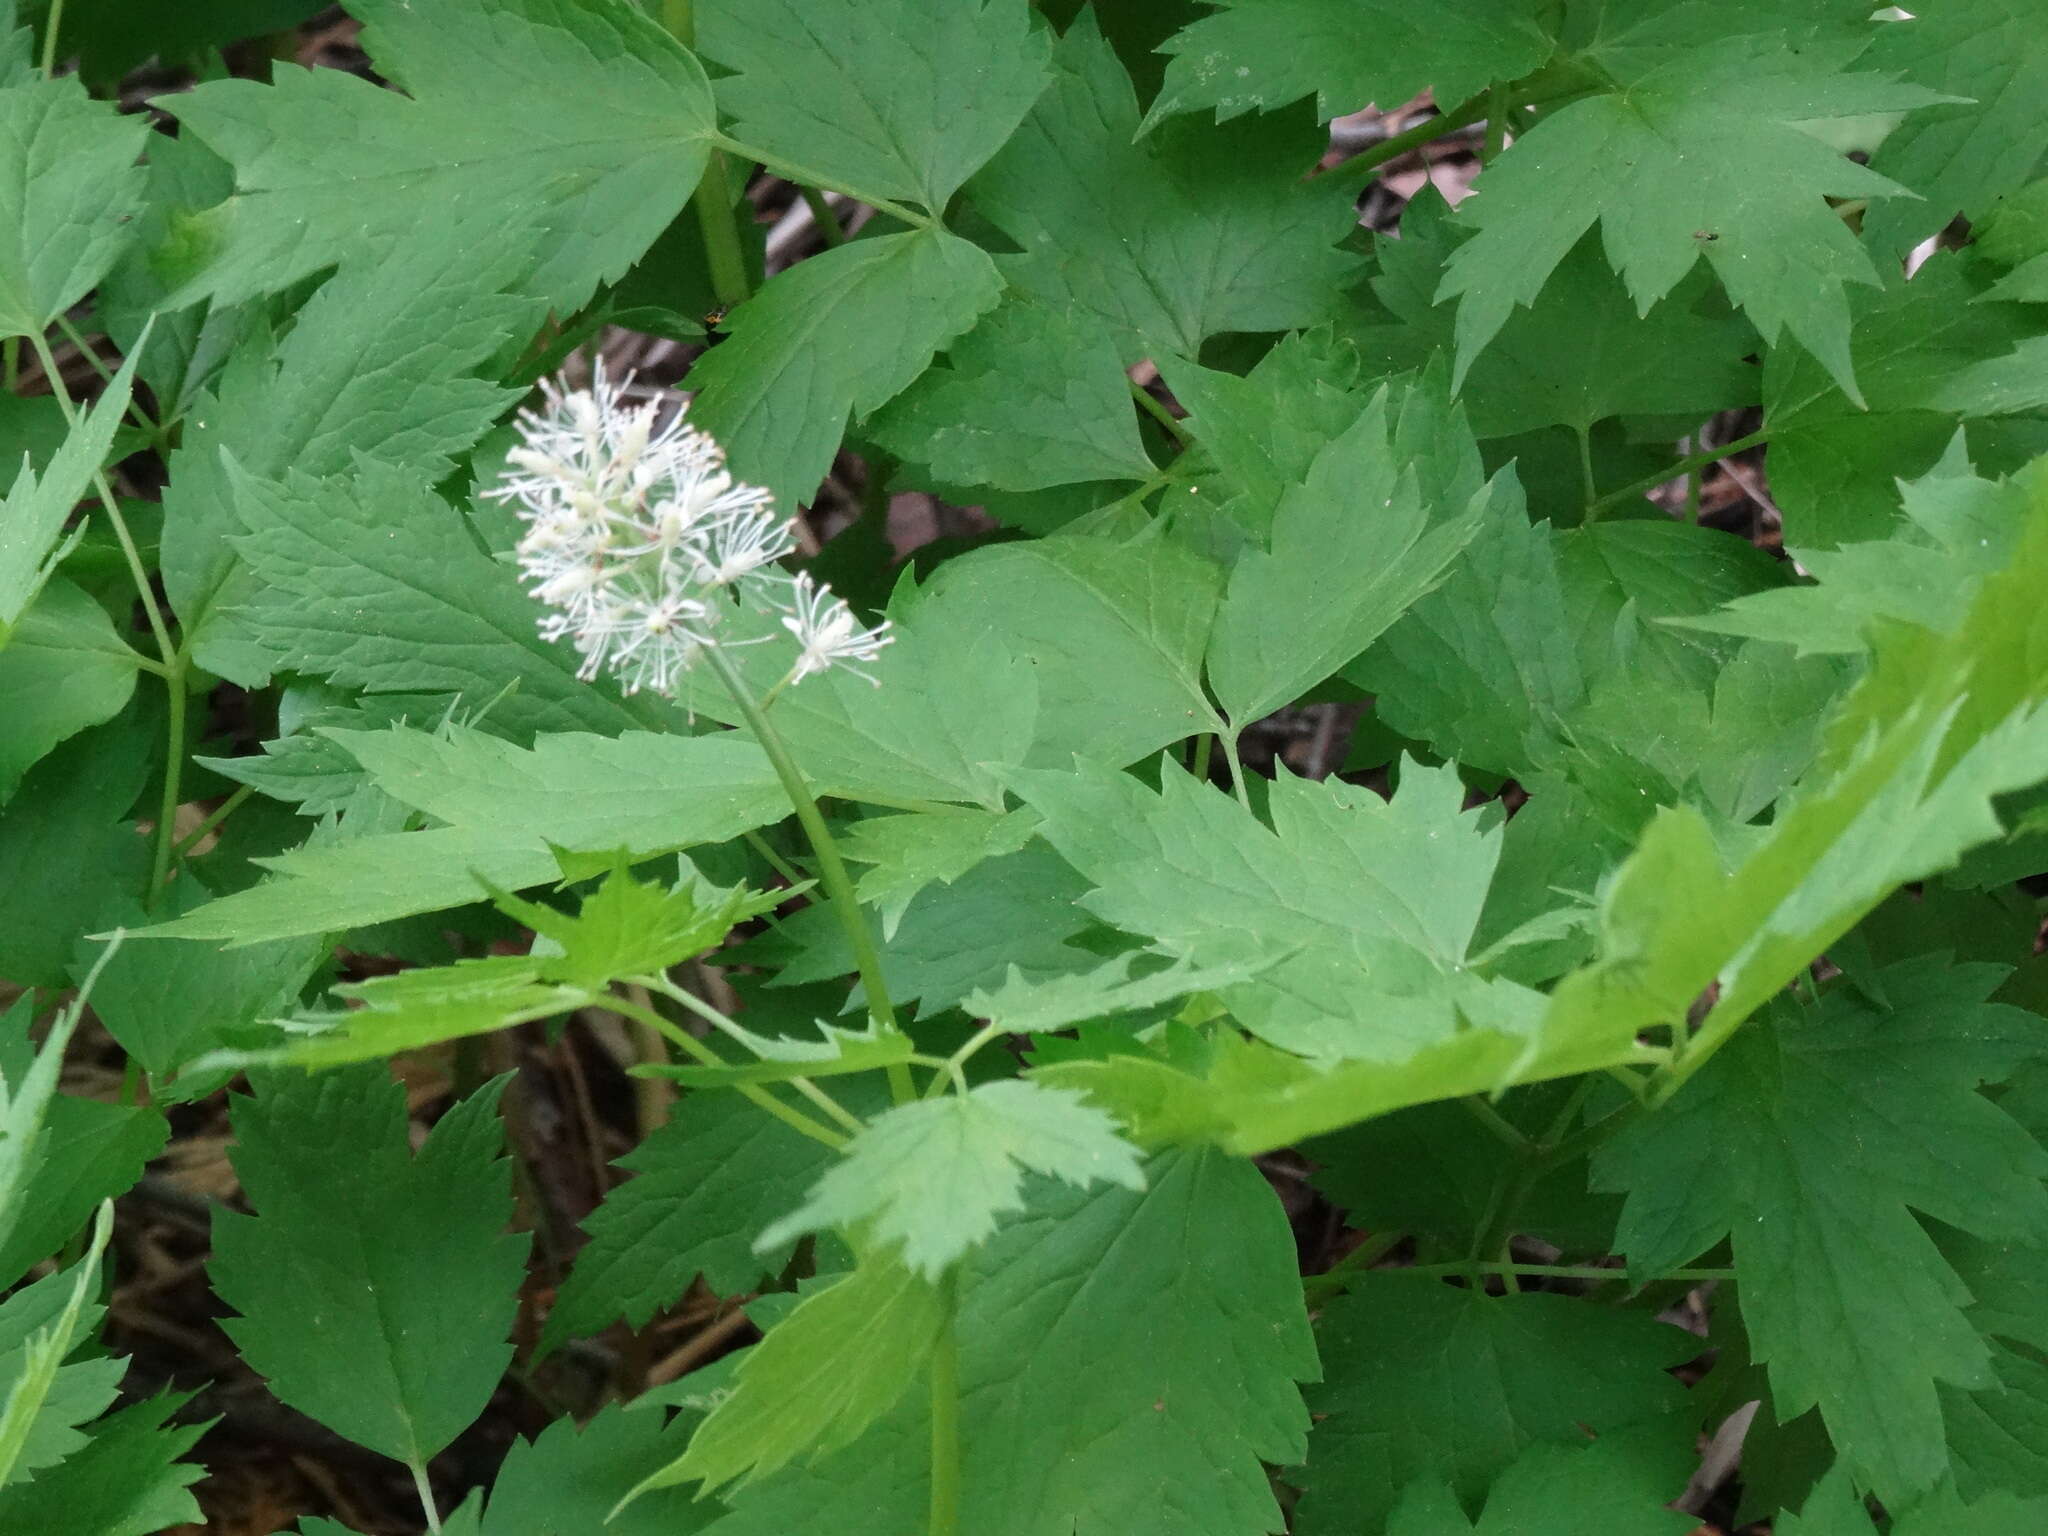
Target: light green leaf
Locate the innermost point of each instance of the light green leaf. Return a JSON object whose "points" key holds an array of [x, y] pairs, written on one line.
{"points": [[46, 1400], [1025, 1007], [373, 582], [69, 182], [632, 927], [584, 120], [819, 1379], [353, 378], [1351, 549], [509, 809], [1032, 397], [930, 1179], [900, 99], [61, 670], [1258, 55], [834, 337], [1777, 1145], [1165, 241], [376, 1289], [1114, 633], [33, 516], [911, 852], [1362, 961]]}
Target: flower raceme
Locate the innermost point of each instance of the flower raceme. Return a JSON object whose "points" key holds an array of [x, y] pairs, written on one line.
{"points": [[645, 547]]}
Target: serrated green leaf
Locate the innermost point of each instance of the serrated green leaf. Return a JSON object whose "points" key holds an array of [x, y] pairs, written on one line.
{"points": [[833, 338], [1256, 55], [1352, 548], [1424, 1381], [701, 1185], [631, 927], [1696, 153], [33, 515], [584, 120], [911, 852], [1776, 1145], [1032, 397], [61, 669], [509, 809], [1101, 1333], [45, 1400], [930, 1179], [1115, 632], [88, 1152], [1170, 240], [568, 1478], [904, 99], [353, 379], [1921, 348], [1361, 963], [1021, 1006], [376, 1289], [1621, 1484], [127, 1481], [69, 182], [819, 1379], [1991, 58]]}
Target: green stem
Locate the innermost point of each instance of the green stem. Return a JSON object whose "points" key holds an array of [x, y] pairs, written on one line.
{"points": [[1423, 133], [950, 1071], [219, 814], [1482, 1110], [1684, 466], [1589, 488], [51, 27], [776, 862], [174, 661], [141, 417], [803, 175], [1228, 736], [831, 868], [945, 1378], [10, 365], [426, 1493], [1339, 1275], [1499, 103], [1154, 407], [717, 221], [703, 1055], [823, 215], [718, 1021]]}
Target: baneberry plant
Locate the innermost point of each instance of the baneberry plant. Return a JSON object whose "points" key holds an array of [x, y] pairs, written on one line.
{"points": [[1024, 767]]}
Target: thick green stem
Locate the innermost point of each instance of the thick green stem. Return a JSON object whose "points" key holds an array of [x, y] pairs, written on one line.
{"points": [[1588, 486], [53, 25], [1495, 1122], [945, 1378], [426, 1493], [1499, 103], [1154, 407], [1684, 466], [713, 198], [1564, 1271], [831, 868], [1339, 1275]]}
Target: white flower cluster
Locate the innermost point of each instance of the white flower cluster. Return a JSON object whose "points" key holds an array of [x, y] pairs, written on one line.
{"points": [[645, 546]]}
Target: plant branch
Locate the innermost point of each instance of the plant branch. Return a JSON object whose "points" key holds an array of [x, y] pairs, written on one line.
{"points": [[831, 868], [803, 176], [1684, 466], [945, 1385], [703, 1055]]}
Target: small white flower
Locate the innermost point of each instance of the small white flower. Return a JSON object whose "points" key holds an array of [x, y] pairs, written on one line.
{"points": [[643, 544], [827, 631]]}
